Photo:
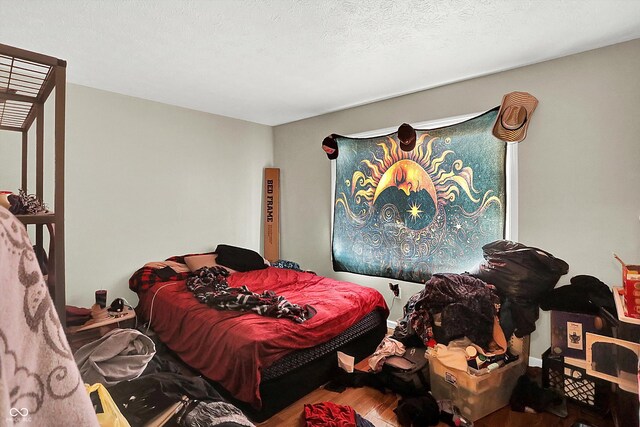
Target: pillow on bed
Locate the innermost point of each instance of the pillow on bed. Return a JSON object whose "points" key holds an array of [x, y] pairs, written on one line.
{"points": [[196, 262], [239, 259]]}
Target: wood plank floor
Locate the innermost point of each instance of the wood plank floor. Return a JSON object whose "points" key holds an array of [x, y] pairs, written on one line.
{"points": [[378, 408]]}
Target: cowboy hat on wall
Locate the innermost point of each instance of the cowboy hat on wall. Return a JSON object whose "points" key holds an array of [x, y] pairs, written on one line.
{"points": [[514, 116]]}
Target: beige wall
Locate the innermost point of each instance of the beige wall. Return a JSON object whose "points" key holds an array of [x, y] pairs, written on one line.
{"points": [[579, 173], [145, 181]]}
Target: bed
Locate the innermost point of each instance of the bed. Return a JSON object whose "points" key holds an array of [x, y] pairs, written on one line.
{"points": [[263, 363]]}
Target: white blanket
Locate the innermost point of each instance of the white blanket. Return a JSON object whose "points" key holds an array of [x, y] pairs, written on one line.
{"points": [[121, 354], [39, 382]]}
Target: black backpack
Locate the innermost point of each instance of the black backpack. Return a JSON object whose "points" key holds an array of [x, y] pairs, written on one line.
{"points": [[407, 375]]}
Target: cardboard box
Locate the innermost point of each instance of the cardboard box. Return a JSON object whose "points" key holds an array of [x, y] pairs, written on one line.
{"points": [[631, 284], [569, 332], [628, 328], [631, 281]]}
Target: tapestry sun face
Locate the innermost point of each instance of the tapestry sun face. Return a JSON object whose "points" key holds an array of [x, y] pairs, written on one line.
{"points": [[407, 215]]}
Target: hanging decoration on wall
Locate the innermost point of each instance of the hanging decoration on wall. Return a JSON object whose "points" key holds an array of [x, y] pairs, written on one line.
{"points": [[514, 116], [330, 146], [418, 202], [407, 137]]}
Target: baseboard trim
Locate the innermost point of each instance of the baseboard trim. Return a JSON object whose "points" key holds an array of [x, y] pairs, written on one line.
{"points": [[535, 362]]}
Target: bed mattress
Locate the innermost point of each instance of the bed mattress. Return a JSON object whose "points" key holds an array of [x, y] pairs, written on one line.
{"points": [[239, 350], [299, 358], [318, 365]]}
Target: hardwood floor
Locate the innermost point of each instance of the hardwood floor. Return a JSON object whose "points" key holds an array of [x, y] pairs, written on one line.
{"points": [[378, 408], [368, 402]]}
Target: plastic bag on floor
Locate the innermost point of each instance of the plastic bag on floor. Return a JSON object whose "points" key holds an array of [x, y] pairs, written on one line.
{"points": [[106, 410]]}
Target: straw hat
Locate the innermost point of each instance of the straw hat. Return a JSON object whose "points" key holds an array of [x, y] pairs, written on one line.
{"points": [[514, 116]]}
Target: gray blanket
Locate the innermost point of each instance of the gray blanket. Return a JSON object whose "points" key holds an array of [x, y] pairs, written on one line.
{"points": [[121, 354]]}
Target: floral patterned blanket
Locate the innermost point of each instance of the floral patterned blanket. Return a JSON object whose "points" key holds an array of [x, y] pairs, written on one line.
{"points": [[39, 381]]}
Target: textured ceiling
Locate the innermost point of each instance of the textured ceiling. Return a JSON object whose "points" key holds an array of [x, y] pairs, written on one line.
{"points": [[276, 61]]}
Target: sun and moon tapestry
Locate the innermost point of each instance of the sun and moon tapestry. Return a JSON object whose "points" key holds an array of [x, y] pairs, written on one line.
{"points": [[409, 214]]}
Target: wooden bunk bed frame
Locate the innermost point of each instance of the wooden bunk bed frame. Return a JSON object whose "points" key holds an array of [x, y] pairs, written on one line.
{"points": [[27, 79]]}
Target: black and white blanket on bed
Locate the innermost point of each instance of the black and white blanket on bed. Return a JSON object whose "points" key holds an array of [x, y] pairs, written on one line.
{"points": [[209, 285]]}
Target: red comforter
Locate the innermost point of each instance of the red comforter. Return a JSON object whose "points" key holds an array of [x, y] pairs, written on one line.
{"points": [[232, 348]]}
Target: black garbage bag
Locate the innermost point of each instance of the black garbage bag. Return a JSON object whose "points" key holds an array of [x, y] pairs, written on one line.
{"points": [[522, 275]]}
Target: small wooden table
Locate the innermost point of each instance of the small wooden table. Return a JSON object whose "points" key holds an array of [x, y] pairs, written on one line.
{"points": [[94, 329], [126, 314]]}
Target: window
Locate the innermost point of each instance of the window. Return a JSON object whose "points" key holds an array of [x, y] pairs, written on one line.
{"points": [[407, 215]]}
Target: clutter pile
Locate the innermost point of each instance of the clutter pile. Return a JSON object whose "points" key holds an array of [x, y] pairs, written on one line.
{"points": [[133, 385], [471, 332], [450, 306], [594, 344]]}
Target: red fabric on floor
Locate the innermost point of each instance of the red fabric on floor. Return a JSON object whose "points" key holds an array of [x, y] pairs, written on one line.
{"points": [[327, 414]]}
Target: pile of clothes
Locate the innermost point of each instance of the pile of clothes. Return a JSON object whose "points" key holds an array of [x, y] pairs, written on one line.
{"points": [[190, 401], [145, 388], [464, 321], [510, 285], [404, 371], [21, 203], [330, 414], [450, 306]]}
